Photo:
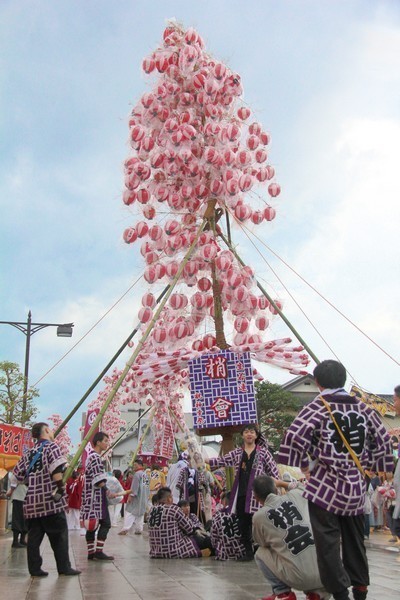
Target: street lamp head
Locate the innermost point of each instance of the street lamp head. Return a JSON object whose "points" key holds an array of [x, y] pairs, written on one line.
{"points": [[65, 330]]}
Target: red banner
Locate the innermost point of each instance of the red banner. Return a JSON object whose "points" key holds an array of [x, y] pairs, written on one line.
{"points": [[14, 441]]}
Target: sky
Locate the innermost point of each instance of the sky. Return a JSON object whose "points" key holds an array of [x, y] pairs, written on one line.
{"points": [[324, 79]]}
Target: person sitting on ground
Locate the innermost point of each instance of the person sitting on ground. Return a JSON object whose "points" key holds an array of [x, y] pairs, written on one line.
{"points": [[170, 531], [286, 555], [202, 537], [225, 532]]}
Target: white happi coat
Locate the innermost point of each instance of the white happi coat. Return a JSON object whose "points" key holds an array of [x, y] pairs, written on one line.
{"points": [[286, 545]]}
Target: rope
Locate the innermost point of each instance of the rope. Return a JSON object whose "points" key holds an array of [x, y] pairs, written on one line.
{"points": [[89, 330], [321, 295]]}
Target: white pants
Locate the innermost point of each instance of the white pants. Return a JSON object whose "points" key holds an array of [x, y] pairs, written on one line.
{"points": [[115, 513], [130, 519], [73, 518]]}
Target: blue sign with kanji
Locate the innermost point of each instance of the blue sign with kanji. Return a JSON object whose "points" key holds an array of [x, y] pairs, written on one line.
{"points": [[222, 390]]}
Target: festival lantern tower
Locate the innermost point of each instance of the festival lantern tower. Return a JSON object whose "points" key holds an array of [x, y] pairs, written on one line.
{"points": [[197, 156], [198, 167]]}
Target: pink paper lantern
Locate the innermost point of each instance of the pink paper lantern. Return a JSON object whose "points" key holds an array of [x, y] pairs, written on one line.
{"points": [[150, 274], [253, 142], [257, 217], [245, 182], [148, 300], [198, 345], [269, 213], [261, 156], [274, 189], [255, 129], [198, 300], [155, 232], [243, 212], [143, 196], [234, 280], [171, 269], [208, 252], [129, 197], [148, 65], [130, 235], [263, 303], [209, 341], [142, 229], [243, 113], [241, 294], [241, 324], [262, 323], [149, 212], [204, 284], [172, 227], [145, 314]]}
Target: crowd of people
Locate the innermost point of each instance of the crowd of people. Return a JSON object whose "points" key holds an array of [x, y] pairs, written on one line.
{"points": [[305, 534]]}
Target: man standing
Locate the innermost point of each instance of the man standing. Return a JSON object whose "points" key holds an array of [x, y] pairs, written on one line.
{"points": [[286, 555], [42, 468], [325, 431], [17, 493], [396, 479], [94, 509], [137, 500]]}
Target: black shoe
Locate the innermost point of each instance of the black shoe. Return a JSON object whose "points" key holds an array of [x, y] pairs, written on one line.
{"points": [[23, 542], [102, 556], [90, 556], [70, 572], [39, 573], [18, 545], [246, 558]]}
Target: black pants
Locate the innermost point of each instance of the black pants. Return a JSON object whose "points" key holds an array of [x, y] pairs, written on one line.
{"points": [[55, 527], [102, 530], [18, 523], [332, 533], [245, 521]]}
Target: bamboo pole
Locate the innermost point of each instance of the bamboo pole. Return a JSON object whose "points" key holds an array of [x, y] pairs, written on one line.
{"points": [[104, 371], [272, 302], [135, 354]]}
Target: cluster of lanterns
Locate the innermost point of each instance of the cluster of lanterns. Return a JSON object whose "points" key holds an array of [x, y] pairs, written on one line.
{"points": [[193, 142]]}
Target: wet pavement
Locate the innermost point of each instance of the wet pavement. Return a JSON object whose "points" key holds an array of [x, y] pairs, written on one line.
{"points": [[133, 575]]}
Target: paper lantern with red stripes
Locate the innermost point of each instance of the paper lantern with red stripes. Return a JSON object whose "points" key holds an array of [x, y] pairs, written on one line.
{"points": [[269, 213], [130, 235]]}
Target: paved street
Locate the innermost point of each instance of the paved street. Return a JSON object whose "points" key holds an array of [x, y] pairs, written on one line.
{"points": [[133, 575]]}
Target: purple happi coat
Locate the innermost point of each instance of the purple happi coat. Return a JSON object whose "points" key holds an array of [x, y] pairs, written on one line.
{"points": [[335, 483], [263, 464], [39, 501], [94, 503], [200, 483], [197, 524], [170, 533], [225, 535]]}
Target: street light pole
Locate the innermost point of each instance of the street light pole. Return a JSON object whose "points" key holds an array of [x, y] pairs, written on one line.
{"points": [[28, 329]]}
